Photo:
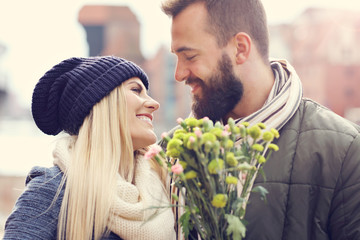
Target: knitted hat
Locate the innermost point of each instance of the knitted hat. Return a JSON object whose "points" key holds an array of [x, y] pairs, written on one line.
{"points": [[64, 96]]}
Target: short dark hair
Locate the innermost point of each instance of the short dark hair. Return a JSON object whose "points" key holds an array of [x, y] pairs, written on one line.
{"points": [[228, 17]]}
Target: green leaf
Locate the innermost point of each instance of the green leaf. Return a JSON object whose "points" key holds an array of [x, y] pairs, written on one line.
{"points": [[236, 228], [262, 191], [185, 223], [236, 206], [261, 171]]}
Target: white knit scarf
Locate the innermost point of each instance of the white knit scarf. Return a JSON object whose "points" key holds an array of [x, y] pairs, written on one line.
{"points": [[130, 211]]}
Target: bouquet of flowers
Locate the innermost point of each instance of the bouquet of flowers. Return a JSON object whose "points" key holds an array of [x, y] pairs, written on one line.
{"points": [[214, 167]]}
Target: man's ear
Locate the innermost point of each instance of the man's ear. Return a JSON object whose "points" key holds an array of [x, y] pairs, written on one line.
{"points": [[243, 47]]}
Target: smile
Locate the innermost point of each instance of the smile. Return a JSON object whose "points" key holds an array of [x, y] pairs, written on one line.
{"points": [[145, 118], [195, 85]]}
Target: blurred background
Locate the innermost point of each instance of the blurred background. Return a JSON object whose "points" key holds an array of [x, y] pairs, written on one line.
{"points": [[320, 38]]}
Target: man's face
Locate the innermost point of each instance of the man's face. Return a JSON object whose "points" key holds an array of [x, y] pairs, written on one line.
{"points": [[203, 65], [220, 94]]}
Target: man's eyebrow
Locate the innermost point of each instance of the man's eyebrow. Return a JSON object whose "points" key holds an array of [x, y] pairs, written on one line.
{"points": [[183, 49]]}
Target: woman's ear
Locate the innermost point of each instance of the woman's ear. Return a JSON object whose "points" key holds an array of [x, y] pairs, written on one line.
{"points": [[243, 47]]}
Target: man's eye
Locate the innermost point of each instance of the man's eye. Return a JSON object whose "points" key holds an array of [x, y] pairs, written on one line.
{"points": [[190, 57]]}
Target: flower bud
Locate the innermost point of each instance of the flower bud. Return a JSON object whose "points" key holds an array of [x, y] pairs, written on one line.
{"points": [[208, 146], [191, 122], [255, 132], [230, 159], [183, 164], [261, 125], [275, 132], [261, 159], [268, 136], [219, 125], [246, 124], [257, 147], [231, 180], [175, 197], [274, 147], [215, 165], [177, 168], [229, 144], [190, 175], [187, 138], [217, 132], [208, 137], [245, 166], [179, 134]]}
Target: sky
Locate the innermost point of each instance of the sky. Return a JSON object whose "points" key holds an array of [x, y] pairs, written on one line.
{"points": [[40, 33]]}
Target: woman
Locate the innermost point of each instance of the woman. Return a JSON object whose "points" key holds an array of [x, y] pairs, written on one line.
{"points": [[100, 187]]}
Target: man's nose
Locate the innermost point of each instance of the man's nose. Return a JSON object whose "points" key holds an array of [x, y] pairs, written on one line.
{"points": [[181, 72]]}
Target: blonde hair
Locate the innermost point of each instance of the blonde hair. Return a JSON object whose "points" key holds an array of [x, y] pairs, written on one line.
{"points": [[102, 149]]}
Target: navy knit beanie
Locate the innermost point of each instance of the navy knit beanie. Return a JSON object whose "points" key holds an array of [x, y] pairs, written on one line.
{"points": [[64, 96]]}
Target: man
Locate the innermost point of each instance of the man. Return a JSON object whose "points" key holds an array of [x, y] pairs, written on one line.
{"points": [[314, 180]]}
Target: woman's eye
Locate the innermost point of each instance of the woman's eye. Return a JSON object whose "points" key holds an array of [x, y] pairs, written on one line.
{"points": [[137, 90]]}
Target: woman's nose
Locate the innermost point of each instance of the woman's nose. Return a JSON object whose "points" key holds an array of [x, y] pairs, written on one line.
{"points": [[151, 103]]}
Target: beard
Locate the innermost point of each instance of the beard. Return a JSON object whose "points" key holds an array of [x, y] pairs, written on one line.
{"points": [[220, 95]]}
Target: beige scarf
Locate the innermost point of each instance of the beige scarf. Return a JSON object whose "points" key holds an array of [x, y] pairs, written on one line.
{"points": [[283, 100], [128, 218]]}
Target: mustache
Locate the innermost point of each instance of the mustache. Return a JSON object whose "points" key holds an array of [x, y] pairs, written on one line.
{"points": [[192, 80]]}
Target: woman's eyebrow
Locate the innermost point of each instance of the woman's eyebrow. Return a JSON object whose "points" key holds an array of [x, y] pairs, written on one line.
{"points": [[137, 83]]}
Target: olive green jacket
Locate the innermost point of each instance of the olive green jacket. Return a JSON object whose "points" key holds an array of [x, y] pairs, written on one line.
{"points": [[313, 180]]}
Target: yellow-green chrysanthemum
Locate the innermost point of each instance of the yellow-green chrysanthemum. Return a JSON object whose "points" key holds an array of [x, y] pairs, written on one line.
{"points": [[174, 144], [173, 153], [179, 134], [255, 131], [268, 136], [231, 180], [215, 165], [219, 200]]}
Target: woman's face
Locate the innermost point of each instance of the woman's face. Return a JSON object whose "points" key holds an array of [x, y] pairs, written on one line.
{"points": [[140, 109]]}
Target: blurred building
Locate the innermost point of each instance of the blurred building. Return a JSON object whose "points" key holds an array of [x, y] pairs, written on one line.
{"points": [[324, 47], [111, 30], [115, 30], [174, 98]]}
